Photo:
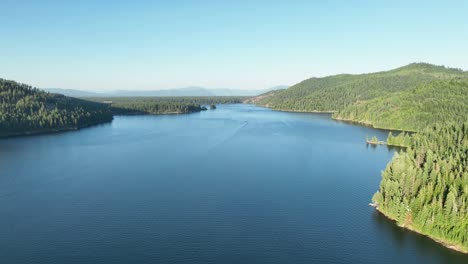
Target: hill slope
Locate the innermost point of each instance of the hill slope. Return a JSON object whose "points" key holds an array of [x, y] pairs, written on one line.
{"points": [[413, 109], [26, 110], [336, 92]]}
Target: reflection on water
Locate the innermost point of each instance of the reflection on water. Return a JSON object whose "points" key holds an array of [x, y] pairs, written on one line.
{"points": [[431, 250]]}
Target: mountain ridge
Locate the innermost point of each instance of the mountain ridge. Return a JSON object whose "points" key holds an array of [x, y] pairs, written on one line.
{"points": [[185, 91]]}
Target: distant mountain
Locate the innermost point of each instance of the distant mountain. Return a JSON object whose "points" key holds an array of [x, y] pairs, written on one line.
{"points": [[240, 92], [233, 92], [278, 87], [186, 91], [274, 88], [73, 92], [258, 98]]}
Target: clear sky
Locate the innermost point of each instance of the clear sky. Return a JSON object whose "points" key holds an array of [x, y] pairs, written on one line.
{"points": [[106, 45]]}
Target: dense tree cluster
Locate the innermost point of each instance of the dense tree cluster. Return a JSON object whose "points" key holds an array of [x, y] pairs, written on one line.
{"points": [[413, 109], [27, 110], [154, 108], [165, 105], [425, 188], [334, 93], [401, 140]]}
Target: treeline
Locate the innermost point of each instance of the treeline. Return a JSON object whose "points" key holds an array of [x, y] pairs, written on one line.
{"points": [[27, 110], [165, 105], [413, 109], [154, 108], [425, 188]]}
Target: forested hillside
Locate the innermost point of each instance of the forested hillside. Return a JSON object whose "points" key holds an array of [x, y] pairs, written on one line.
{"points": [[337, 92], [27, 110], [425, 188], [413, 109]]}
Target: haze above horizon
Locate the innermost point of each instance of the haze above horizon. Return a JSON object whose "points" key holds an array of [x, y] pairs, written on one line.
{"points": [[150, 45]]}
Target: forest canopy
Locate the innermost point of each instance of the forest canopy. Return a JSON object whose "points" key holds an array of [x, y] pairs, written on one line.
{"points": [[425, 187], [413, 109], [27, 110]]}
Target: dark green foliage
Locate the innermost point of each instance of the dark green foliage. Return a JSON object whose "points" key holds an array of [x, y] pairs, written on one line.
{"points": [[154, 108], [213, 106], [413, 109], [165, 105], [27, 110], [426, 186], [402, 139], [337, 92]]}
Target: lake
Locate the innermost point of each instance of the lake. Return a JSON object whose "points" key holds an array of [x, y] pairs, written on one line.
{"points": [[239, 184]]}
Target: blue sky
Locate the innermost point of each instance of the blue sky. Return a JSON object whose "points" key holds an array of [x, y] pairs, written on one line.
{"points": [[107, 45]]}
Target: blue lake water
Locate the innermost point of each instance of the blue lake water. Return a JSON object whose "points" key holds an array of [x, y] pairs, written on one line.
{"points": [[239, 184]]}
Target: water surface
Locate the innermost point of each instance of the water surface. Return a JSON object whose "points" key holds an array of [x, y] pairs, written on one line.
{"points": [[239, 184]]}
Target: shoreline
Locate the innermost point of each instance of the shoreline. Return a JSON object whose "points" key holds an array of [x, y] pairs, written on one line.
{"points": [[446, 244], [302, 111], [51, 131], [69, 129], [384, 143], [362, 123], [368, 124], [155, 114], [376, 142]]}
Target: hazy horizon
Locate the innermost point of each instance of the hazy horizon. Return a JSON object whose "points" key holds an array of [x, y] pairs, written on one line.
{"points": [[113, 45], [164, 89]]}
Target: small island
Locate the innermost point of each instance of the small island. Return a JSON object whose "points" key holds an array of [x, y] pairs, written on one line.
{"points": [[375, 141]]}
